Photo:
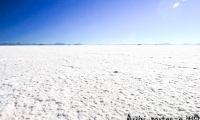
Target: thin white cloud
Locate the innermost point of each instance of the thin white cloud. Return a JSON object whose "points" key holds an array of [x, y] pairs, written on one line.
{"points": [[176, 5]]}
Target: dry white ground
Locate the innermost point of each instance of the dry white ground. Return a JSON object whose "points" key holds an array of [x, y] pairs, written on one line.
{"points": [[98, 82]]}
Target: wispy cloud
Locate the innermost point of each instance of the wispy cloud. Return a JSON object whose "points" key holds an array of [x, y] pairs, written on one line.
{"points": [[176, 5]]}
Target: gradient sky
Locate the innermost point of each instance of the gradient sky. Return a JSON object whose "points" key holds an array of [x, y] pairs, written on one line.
{"points": [[100, 21]]}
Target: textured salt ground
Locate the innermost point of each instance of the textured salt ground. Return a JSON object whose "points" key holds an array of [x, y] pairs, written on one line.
{"points": [[98, 82]]}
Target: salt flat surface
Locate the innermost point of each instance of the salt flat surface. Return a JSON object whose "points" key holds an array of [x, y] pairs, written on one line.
{"points": [[98, 82]]}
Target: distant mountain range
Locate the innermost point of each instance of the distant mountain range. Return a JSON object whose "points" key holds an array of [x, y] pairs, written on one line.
{"points": [[59, 44], [37, 44], [92, 44]]}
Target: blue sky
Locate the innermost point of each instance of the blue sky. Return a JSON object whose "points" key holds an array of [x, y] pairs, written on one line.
{"points": [[100, 21]]}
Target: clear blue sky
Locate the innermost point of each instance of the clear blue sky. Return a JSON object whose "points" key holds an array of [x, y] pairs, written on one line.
{"points": [[100, 21]]}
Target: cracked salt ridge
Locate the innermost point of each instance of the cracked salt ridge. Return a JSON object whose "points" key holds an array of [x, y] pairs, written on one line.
{"points": [[81, 82]]}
